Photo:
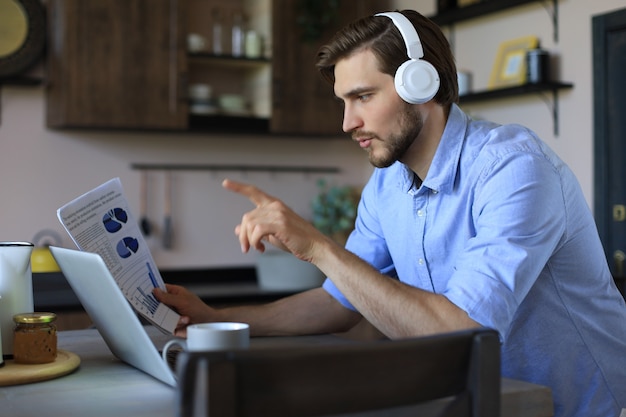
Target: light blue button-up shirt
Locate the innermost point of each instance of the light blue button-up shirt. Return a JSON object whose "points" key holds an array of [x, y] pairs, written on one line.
{"points": [[501, 228]]}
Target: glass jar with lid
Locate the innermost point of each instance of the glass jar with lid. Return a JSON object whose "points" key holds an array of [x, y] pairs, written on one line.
{"points": [[35, 338]]}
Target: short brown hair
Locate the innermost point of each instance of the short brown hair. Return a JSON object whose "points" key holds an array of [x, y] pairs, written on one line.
{"points": [[382, 37]]}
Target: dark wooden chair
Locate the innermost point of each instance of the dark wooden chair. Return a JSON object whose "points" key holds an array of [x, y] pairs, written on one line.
{"points": [[462, 367]]}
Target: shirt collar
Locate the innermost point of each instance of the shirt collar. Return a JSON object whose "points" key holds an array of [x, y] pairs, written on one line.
{"points": [[444, 167]]}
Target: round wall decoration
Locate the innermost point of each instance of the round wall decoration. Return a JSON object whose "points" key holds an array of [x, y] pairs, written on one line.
{"points": [[22, 35]]}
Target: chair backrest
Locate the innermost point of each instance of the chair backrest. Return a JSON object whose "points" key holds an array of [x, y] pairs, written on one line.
{"points": [[346, 378]]}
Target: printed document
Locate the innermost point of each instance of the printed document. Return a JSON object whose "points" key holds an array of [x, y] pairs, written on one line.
{"points": [[101, 222]]}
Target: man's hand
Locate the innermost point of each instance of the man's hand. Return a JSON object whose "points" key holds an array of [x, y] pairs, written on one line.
{"points": [[190, 307], [274, 222]]}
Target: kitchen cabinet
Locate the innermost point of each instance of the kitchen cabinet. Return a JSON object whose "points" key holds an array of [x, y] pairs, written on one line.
{"points": [[118, 64], [302, 102]]}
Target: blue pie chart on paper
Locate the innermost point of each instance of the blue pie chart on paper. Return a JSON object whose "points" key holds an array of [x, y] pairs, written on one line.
{"points": [[114, 219], [127, 247]]}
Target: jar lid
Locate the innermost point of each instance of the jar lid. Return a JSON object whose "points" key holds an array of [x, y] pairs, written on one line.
{"points": [[34, 318], [3, 244]]}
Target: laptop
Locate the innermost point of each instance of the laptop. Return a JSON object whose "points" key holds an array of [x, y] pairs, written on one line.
{"points": [[111, 313]]}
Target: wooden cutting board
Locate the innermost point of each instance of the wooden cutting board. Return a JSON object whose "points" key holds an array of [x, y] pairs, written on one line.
{"points": [[16, 373]]}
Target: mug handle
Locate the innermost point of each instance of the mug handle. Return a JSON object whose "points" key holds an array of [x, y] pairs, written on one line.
{"points": [[180, 342]]}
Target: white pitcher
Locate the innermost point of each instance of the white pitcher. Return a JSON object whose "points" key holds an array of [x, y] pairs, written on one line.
{"points": [[16, 288]]}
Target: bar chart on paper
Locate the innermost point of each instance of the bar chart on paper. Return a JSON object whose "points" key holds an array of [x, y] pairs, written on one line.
{"points": [[139, 289], [142, 279], [145, 297]]}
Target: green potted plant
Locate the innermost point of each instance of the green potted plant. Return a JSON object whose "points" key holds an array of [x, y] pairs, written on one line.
{"points": [[334, 210]]}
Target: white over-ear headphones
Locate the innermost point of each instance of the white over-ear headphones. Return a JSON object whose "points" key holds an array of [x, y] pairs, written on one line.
{"points": [[416, 80]]}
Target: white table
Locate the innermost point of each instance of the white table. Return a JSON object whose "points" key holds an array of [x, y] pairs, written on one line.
{"points": [[105, 387]]}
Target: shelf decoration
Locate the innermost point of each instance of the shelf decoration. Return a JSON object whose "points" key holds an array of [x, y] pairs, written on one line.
{"points": [[509, 68]]}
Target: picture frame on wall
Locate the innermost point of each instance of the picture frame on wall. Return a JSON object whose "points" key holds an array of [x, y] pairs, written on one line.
{"points": [[509, 68]]}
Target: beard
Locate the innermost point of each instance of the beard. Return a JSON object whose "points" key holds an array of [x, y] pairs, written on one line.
{"points": [[396, 145]]}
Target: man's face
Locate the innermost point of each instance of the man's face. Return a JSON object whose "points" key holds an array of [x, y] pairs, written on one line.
{"points": [[378, 119]]}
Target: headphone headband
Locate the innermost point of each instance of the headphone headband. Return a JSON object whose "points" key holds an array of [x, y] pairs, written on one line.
{"points": [[411, 39], [416, 80]]}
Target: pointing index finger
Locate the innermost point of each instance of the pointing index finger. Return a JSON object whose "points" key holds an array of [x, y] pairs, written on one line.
{"points": [[256, 196]]}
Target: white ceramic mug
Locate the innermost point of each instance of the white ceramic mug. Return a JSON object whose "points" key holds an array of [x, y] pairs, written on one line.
{"points": [[203, 337]]}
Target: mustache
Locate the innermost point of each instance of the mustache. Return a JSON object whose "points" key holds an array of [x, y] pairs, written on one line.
{"points": [[356, 134]]}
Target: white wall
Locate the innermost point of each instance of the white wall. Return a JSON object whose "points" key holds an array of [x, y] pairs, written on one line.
{"points": [[41, 169]]}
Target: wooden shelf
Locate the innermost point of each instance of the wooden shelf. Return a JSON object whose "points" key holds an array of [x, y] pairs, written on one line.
{"points": [[513, 91], [22, 80], [525, 89], [226, 60], [477, 10], [228, 124], [486, 7]]}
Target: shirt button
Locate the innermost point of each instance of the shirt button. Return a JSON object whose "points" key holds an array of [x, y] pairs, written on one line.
{"points": [[420, 213], [435, 192], [420, 261]]}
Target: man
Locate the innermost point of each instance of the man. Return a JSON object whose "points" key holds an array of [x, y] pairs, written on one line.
{"points": [[463, 224]]}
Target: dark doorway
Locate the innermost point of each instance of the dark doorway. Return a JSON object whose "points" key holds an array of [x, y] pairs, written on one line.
{"points": [[609, 82]]}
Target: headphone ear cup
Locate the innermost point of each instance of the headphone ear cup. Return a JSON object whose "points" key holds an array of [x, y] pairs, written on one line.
{"points": [[416, 81]]}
